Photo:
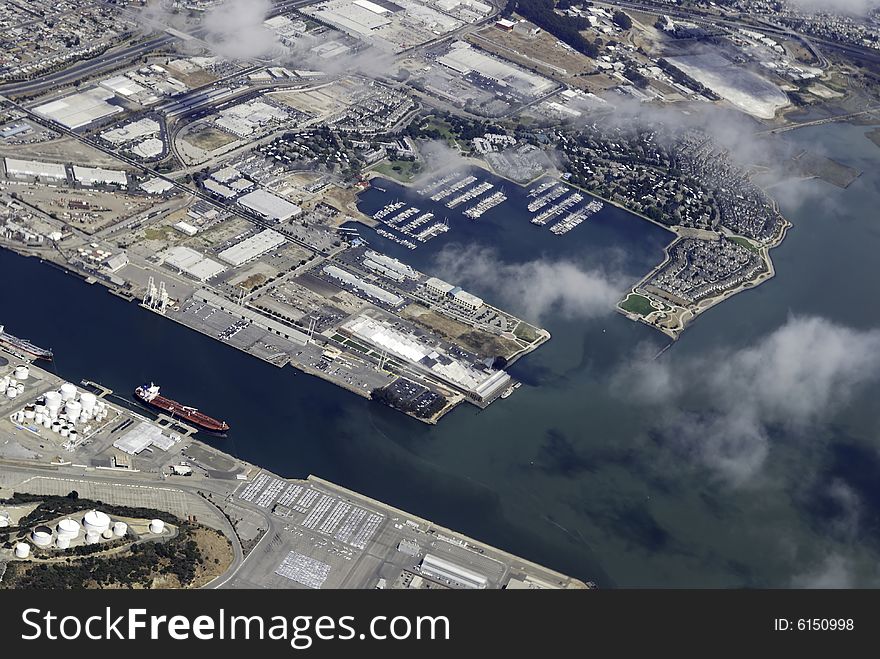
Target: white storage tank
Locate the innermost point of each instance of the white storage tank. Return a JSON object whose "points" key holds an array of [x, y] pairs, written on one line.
{"points": [[53, 402], [72, 409], [72, 435], [41, 536], [92, 537], [107, 534], [11, 392], [96, 521], [157, 526], [65, 431], [29, 412], [68, 391], [22, 550], [47, 422], [4, 520], [87, 399], [56, 426], [120, 529], [39, 418], [21, 372], [62, 542], [68, 528]]}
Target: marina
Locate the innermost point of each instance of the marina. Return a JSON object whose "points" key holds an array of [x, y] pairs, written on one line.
{"points": [[386, 210], [401, 216], [545, 216], [452, 189], [575, 218], [542, 201], [485, 204], [472, 193], [436, 183], [534, 192], [432, 231], [395, 238]]}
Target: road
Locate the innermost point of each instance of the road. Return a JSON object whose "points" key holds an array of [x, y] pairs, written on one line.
{"points": [[145, 479], [85, 68]]}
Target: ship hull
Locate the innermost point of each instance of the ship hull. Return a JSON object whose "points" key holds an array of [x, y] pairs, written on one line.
{"points": [[186, 414], [32, 351]]}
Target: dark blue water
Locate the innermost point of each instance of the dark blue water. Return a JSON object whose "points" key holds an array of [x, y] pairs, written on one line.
{"points": [[611, 236], [569, 471]]}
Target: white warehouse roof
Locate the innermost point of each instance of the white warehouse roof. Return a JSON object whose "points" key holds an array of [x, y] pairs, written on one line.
{"points": [[439, 285], [192, 263], [252, 247], [269, 205], [80, 109], [468, 299], [98, 175], [34, 168], [440, 568]]}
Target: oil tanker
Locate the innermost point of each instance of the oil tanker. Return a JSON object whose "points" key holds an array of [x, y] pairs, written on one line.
{"points": [[22, 345], [150, 396]]}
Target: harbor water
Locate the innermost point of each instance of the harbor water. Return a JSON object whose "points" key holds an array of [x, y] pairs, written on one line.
{"points": [[571, 471]]}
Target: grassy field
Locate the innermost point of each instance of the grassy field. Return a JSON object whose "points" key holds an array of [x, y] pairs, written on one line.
{"points": [[401, 170], [525, 332], [748, 244], [158, 233], [638, 304], [210, 139]]}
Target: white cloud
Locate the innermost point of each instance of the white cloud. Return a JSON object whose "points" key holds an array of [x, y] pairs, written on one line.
{"points": [[835, 572], [235, 29], [795, 378], [534, 288]]}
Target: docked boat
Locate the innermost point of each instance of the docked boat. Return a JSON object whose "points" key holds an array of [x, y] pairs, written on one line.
{"points": [[23, 345], [151, 396]]}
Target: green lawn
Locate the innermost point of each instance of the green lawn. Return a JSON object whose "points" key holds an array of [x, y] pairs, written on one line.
{"points": [[525, 332], [401, 170], [748, 244], [639, 304]]}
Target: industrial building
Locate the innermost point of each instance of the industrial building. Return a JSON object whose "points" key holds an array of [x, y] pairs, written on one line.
{"points": [[78, 110], [45, 171], [393, 26], [14, 130], [149, 148], [192, 263], [478, 381], [439, 568], [460, 297], [464, 59], [131, 131], [219, 189], [143, 436], [370, 290], [90, 176], [270, 206], [251, 248], [122, 86], [389, 266], [156, 185]]}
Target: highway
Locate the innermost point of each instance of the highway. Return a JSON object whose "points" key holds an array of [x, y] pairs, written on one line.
{"points": [[116, 57], [86, 68]]}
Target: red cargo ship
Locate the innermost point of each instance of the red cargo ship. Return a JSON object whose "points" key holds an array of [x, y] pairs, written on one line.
{"points": [[150, 395]]}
